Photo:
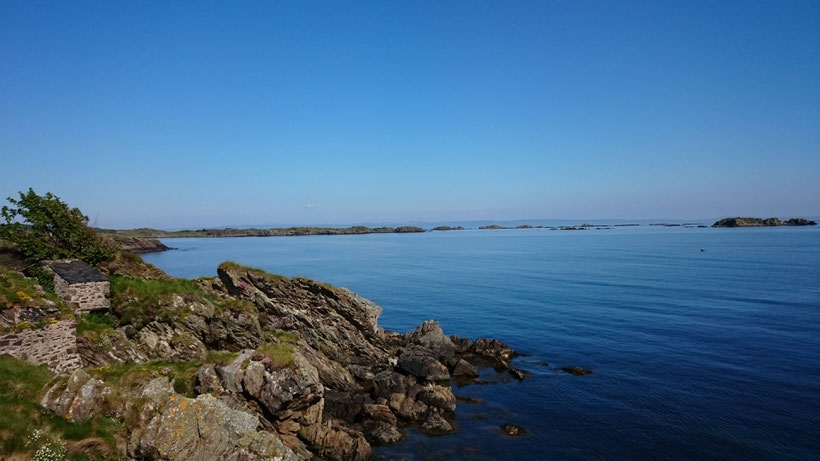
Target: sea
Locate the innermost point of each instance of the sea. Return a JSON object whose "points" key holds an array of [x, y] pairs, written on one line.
{"points": [[704, 343]]}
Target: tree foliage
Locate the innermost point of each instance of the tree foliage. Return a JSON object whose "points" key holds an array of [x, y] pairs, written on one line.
{"points": [[45, 227]]}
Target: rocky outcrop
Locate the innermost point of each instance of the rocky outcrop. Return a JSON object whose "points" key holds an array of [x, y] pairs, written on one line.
{"points": [[761, 222], [76, 399], [138, 244], [314, 374], [202, 428]]}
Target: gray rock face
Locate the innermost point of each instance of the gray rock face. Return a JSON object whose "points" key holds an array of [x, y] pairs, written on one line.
{"points": [[204, 429], [78, 399], [421, 364], [334, 321], [430, 336]]}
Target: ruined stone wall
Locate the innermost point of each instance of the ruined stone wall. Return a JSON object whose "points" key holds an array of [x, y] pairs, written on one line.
{"points": [[88, 296], [54, 345]]}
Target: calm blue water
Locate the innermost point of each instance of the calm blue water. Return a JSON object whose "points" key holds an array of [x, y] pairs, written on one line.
{"points": [[697, 355]]}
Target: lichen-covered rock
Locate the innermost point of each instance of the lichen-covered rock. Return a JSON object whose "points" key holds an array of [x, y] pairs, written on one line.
{"points": [[234, 331], [207, 429], [77, 399]]}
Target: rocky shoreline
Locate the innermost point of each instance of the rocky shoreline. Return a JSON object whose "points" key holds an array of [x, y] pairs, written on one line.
{"points": [[309, 374]]}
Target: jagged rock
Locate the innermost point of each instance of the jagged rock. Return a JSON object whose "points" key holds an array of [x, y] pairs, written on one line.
{"points": [[231, 374], [430, 336], [434, 424], [412, 409], [205, 429], [387, 383], [382, 433], [333, 441], [283, 389], [334, 321], [207, 380], [518, 374], [438, 396], [161, 341], [420, 363], [120, 350], [78, 399], [379, 413], [234, 331], [464, 369]]}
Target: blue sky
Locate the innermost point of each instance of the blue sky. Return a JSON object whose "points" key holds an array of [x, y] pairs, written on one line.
{"points": [[174, 114]]}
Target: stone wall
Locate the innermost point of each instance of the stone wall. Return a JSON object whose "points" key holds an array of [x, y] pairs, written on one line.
{"points": [[54, 345], [88, 296]]}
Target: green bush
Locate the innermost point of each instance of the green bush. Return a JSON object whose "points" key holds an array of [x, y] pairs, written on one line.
{"points": [[44, 227]]}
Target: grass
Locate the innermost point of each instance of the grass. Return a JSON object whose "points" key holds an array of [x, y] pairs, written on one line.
{"points": [[141, 301], [124, 377], [18, 290], [96, 321], [280, 355], [21, 388]]}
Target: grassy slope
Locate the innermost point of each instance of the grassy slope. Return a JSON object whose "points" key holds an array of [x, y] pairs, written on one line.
{"points": [[21, 388]]}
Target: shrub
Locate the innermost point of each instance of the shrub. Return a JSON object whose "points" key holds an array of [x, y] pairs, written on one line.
{"points": [[44, 227]]}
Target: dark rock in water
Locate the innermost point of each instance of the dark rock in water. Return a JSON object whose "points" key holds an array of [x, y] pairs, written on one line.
{"points": [[470, 400], [577, 371], [513, 430], [430, 336], [518, 374], [434, 424], [464, 369], [420, 363], [382, 433]]}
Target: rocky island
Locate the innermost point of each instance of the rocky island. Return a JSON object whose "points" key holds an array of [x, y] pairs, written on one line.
{"points": [[760, 222], [256, 232]]}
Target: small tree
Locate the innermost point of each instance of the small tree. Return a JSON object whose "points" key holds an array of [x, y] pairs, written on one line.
{"points": [[44, 227]]}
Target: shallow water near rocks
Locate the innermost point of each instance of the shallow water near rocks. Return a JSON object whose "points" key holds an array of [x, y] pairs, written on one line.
{"points": [[696, 354]]}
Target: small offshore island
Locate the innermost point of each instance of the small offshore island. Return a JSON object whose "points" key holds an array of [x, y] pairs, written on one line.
{"points": [[761, 222], [108, 357]]}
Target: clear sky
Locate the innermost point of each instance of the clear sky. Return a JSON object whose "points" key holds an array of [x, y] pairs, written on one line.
{"points": [[174, 114]]}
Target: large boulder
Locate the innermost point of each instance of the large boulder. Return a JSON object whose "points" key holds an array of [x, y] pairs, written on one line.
{"points": [[204, 428], [430, 336], [77, 399], [422, 364]]}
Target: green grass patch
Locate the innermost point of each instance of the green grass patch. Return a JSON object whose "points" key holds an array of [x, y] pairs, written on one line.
{"points": [[140, 301], [220, 357], [130, 376], [18, 290], [96, 321], [21, 388], [280, 355]]}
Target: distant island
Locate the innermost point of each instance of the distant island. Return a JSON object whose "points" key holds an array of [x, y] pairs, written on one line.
{"points": [[761, 222], [255, 232]]}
